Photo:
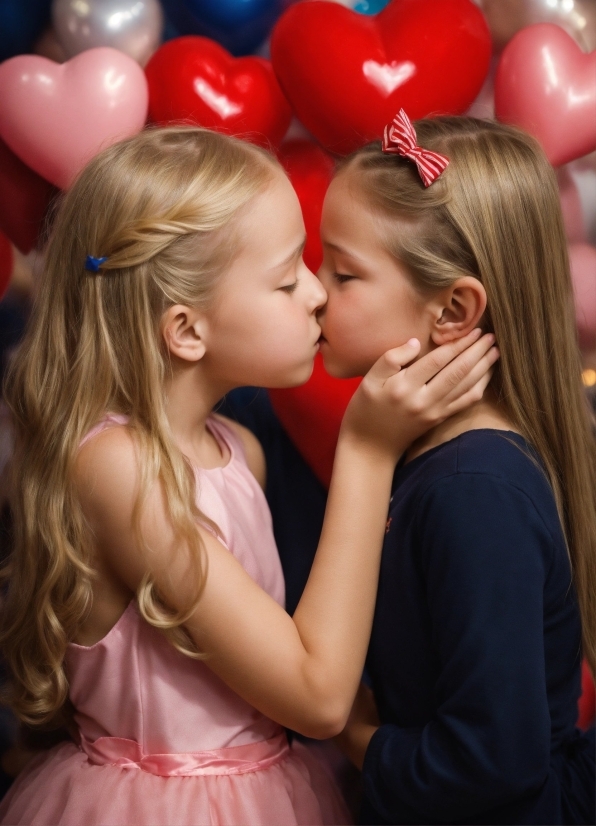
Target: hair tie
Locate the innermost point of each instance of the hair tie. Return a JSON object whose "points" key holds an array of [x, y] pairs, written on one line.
{"points": [[93, 264], [399, 138]]}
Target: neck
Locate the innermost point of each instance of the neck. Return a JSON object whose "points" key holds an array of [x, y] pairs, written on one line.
{"points": [[190, 398], [484, 414]]}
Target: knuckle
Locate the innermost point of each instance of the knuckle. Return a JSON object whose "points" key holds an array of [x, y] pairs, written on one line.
{"points": [[458, 375], [417, 407]]}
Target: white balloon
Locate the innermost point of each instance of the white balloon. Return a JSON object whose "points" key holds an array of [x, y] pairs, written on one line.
{"points": [[132, 26]]}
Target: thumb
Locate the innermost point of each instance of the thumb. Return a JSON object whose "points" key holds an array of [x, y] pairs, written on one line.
{"points": [[392, 361]]}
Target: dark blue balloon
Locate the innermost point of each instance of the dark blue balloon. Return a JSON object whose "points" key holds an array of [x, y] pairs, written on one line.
{"points": [[239, 25], [21, 23]]}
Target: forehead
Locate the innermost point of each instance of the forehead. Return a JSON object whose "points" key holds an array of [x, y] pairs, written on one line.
{"points": [[275, 208], [347, 215], [268, 230]]}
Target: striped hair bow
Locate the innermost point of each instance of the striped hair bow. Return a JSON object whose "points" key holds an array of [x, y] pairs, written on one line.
{"points": [[400, 138]]}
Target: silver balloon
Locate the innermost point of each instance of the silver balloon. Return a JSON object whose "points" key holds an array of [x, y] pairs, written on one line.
{"points": [[506, 17], [132, 26]]}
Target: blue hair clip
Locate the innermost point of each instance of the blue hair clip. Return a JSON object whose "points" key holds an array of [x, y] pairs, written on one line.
{"points": [[93, 264]]}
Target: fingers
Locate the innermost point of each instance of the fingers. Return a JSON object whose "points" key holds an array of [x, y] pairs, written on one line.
{"points": [[462, 379], [432, 363], [472, 396], [458, 368], [393, 360]]}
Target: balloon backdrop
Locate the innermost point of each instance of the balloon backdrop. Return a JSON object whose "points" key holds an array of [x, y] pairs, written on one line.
{"points": [[582, 259], [587, 700], [583, 173], [547, 85], [132, 26], [21, 23], [311, 416], [6, 263], [24, 200], [195, 80], [506, 17], [239, 25], [47, 45], [370, 6], [484, 105], [346, 74], [310, 169], [571, 206], [57, 117]]}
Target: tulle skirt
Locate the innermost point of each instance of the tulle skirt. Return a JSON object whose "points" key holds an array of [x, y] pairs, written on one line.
{"points": [[276, 784]]}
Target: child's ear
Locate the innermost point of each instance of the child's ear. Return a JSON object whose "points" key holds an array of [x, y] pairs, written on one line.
{"points": [[459, 310], [183, 329]]}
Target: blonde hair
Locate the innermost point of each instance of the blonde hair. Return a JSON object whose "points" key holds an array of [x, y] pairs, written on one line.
{"points": [[495, 214], [161, 207]]}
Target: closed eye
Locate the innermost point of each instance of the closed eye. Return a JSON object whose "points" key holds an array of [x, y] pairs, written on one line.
{"points": [[289, 288], [341, 278]]}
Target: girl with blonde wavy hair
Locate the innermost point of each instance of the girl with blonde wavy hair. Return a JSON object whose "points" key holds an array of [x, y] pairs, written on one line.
{"points": [[144, 604], [488, 572]]}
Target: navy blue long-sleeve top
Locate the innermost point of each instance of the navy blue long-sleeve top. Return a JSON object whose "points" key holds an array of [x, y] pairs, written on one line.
{"points": [[475, 650]]}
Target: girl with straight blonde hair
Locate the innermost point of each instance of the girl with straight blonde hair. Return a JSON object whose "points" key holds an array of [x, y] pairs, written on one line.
{"points": [[144, 605], [488, 573]]}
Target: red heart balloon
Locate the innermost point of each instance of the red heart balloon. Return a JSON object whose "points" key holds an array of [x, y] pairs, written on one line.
{"points": [[347, 74], [310, 170], [547, 85], [24, 199], [312, 414], [195, 80]]}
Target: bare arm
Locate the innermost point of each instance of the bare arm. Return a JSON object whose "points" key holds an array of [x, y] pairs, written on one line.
{"points": [[302, 671]]}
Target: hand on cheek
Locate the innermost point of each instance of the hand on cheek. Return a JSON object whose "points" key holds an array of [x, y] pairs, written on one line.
{"points": [[458, 310]]}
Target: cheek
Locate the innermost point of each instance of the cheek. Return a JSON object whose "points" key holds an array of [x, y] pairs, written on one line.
{"points": [[362, 326], [344, 311]]}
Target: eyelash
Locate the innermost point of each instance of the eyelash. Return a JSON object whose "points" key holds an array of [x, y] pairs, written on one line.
{"points": [[341, 278], [289, 288]]}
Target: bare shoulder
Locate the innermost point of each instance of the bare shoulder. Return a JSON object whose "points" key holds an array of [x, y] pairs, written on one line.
{"points": [[106, 467], [255, 457]]}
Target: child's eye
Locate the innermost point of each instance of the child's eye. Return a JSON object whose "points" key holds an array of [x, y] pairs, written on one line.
{"points": [[289, 288], [341, 278]]}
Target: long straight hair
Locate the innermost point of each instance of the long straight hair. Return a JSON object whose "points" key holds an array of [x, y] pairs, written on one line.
{"points": [[161, 208], [495, 214]]}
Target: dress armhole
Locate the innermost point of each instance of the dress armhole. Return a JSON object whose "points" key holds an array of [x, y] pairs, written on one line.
{"points": [[109, 420]]}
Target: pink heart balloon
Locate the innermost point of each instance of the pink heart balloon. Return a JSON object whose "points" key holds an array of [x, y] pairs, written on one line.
{"points": [[57, 117], [547, 85], [582, 260]]}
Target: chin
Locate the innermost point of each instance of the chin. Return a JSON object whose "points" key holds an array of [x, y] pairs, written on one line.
{"points": [[295, 379]]}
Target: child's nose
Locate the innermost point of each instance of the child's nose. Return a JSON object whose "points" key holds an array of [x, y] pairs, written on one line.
{"points": [[318, 294]]}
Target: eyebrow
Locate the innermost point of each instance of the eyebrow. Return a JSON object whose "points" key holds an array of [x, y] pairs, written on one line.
{"points": [[297, 252], [344, 251]]}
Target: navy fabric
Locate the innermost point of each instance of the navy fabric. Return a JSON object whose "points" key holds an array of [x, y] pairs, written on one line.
{"points": [[295, 496], [475, 650]]}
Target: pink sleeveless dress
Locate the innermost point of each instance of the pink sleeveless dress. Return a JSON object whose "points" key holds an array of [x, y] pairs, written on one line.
{"points": [[162, 739]]}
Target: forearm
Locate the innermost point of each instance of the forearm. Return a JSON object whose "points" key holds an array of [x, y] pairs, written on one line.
{"points": [[334, 615]]}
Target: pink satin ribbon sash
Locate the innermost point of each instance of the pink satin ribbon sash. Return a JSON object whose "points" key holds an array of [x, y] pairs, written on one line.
{"points": [[127, 754]]}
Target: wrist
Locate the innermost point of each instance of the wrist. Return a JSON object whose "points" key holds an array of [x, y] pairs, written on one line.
{"points": [[367, 450], [354, 741]]}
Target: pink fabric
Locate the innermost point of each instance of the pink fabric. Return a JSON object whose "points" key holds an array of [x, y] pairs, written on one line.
{"points": [[162, 739]]}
